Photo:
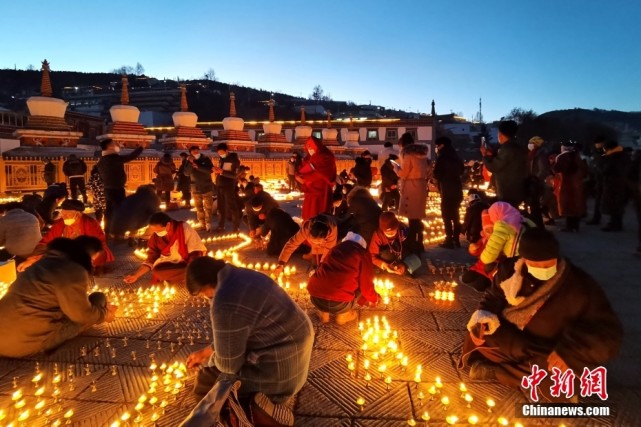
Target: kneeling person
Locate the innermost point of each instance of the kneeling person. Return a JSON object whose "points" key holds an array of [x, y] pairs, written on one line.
{"points": [[172, 247], [48, 303], [345, 277], [389, 253], [260, 337], [549, 313]]}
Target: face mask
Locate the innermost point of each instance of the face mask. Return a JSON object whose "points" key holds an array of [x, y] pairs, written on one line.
{"points": [[197, 156], [117, 149], [542, 273], [162, 233], [390, 236], [69, 221], [222, 156], [311, 152], [530, 147]]}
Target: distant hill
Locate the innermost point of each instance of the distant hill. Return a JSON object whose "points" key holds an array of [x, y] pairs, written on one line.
{"points": [[209, 99]]}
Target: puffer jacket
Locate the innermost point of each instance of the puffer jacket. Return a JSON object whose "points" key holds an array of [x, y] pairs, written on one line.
{"points": [[414, 172], [503, 241]]}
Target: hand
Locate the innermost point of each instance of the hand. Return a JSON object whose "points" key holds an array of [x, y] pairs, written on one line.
{"points": [[129, 279], [27, 263], [111, 313], [279, 270], [385, 267], [199, 357], [555, 361], [400, 269], [485, 152], [252, 233], [217, 170]]}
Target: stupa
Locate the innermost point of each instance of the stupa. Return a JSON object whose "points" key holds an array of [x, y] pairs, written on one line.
{"points": [[125, 128], [185, 133], [273, 141], [46, 125], [233, 133], [302, 131], [352, 138], [330, 136]]}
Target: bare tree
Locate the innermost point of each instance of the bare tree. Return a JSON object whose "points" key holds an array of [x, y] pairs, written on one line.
{"points": [[140, 70], [317, 93], [30, 67], [210, 75], [520, 116]]}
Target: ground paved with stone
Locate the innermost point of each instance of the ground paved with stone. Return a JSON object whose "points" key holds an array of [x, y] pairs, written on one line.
{"points": [[106, 383]]}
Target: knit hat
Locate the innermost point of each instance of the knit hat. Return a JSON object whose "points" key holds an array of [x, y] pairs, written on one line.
{"points": [[508, 128], [471, 198], [538, 244], [537, 140], [353, 237], [72, 205], [388, 221]]}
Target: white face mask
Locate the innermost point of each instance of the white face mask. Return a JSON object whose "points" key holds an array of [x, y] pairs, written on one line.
{"points": [[223, 155], [311, 151], [162, 233], [69, 221], [542, 273], [197, 156], [530, 147], [116, 148], [390, 236]]}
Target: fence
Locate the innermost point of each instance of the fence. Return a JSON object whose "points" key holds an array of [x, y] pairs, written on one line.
{"points": [[21, 175]]}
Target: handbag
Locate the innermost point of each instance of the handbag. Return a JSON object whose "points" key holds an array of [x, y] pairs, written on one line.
{"points": [[219, 408]]}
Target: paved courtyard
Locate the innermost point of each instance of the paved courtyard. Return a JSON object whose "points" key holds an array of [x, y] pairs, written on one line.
{"points": [[106, 374]]}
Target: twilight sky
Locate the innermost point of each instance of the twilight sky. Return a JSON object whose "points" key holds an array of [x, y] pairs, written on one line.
{"points": [[543, 55]]}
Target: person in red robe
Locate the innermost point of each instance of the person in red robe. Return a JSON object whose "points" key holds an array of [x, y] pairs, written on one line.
{"points": [[172, 246], [72, 223], [317, 176]]}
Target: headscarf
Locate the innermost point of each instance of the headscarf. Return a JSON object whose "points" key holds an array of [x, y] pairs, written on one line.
{"points": [[502, 211]]}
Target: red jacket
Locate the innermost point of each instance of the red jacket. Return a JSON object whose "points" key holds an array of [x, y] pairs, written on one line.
{"points": [[84, 226], [346, 269]]}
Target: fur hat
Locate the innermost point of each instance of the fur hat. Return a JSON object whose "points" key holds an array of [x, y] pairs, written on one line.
{"points": [[537, 140], [538, 244], [508, 128], [388, 221], [72, 205]]}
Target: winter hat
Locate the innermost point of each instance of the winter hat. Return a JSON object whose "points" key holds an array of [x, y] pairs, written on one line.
{"points": [[569, 143], [471, 198], [538, 244], [502, 211], [72, 205], [508, 128], [537, 140], [388, 221], [353, 237]]}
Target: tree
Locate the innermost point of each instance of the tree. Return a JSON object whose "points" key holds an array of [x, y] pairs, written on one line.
{"points": [[124, 69], [317, 94], [210, 75], [140, 70], [30, 67], [520, 116]]}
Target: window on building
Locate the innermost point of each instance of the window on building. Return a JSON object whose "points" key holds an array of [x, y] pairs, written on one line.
{"points": [[412, 131], [391, 135], [259, 134], [317, 134], [372, 134]]}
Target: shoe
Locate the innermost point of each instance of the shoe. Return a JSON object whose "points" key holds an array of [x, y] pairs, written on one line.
{"points": [[482, 370], [324, 316], [347, 317], [266, 412], [611, 228]]}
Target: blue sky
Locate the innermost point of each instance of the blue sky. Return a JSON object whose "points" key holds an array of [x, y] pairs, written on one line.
{"points": [[543, 55]]}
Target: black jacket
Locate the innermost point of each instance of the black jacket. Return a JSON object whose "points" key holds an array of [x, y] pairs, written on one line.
{"points": [[473, 222], [229, 165], [112, 168], [135, 210], [388, 176], [363, 172], [448, 171], [201, 175], [268, 204], [615, 169], [282, 228], [74, 167]]}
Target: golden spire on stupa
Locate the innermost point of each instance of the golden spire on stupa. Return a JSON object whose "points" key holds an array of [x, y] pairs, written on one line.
{"points": [[45, 85], [183, 99], [124, 96], [271, 110], [329, 119], [351, 121], [232, 104], [302, 114]]}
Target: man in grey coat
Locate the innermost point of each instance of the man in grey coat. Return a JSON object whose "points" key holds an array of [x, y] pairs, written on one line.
{"points": [[509, 165]]}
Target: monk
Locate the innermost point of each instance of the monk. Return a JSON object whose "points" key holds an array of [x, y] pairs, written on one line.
{"points": [[316, 175]]}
